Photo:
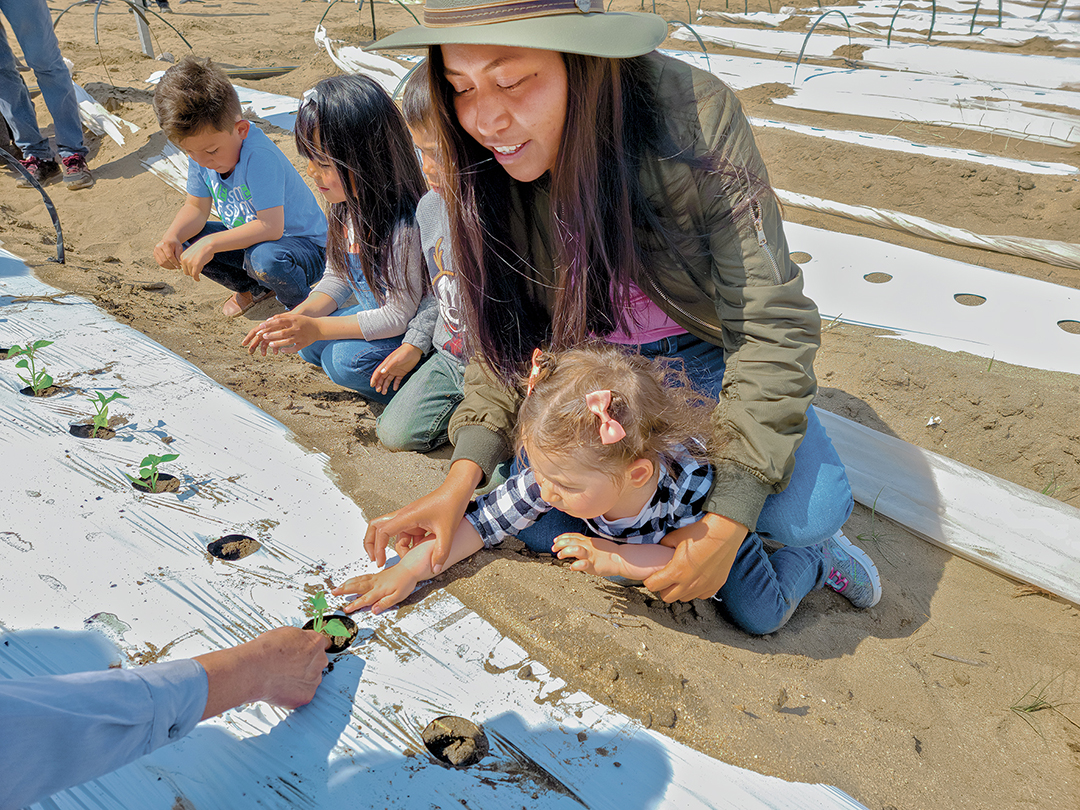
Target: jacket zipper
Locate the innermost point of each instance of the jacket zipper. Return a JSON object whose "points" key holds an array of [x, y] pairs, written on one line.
{"points": [[763, 243], [708, 327]]}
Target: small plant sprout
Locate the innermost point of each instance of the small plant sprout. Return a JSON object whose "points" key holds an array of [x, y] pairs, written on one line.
{"points": [[38, 381], [1036, 699], [101, 406], [315, 608], [148, 470]]}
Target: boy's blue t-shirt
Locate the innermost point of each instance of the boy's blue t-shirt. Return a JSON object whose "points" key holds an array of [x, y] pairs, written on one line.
{"points": [[263, 178]]}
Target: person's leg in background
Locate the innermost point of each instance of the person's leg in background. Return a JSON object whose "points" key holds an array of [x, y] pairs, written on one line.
{"points": [[32, 26]]}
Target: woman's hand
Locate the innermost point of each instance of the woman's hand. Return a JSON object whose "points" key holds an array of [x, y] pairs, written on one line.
{"points": [[286, 332], [393, 369], [436, 515], [704, 554]]}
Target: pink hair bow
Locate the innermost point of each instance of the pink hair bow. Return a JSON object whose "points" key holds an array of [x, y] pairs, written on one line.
{"points": [[610, 429]]}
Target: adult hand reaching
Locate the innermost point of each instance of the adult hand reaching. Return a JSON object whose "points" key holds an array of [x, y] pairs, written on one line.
{"points": [[282, 667], [704, 554], [436, 514]]}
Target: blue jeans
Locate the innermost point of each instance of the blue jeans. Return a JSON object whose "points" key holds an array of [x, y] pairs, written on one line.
{"points": [[32, 26], [289, 266], [763, 589], [419, 416], [350, 363]]}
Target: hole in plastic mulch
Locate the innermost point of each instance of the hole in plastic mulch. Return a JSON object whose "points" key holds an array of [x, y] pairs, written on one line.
{"points": [[233, 547], [455, 741], [1072, 327], [969, 299], [877, 278], [87, 432]]}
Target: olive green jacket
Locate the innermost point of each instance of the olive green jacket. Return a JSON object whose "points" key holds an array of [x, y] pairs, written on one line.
{"points": [[741, 291]]}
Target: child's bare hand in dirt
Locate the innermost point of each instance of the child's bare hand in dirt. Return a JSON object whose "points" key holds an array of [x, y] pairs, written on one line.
{"points": [[393, 369], [194, 259], [167, 253], [286, 332], [591, 554]]}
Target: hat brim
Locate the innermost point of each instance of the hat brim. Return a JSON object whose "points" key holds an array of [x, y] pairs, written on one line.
{"points": [[611, 34]]}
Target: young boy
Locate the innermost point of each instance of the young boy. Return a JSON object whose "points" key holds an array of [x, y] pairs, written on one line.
{"points": [[418, 416], [272, 236]]}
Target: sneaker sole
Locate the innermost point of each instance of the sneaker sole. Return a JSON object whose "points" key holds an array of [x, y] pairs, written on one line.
{"points": [[864, 560], [75, 185]]}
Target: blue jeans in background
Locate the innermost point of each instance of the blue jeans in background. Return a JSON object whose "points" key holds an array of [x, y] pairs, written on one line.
{"points": [[32, 26], [289, 267], [419, 416], [763, 589], [350, 363]]}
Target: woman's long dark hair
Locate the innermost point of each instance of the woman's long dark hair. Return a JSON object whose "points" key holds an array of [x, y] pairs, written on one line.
{"points": [[606, 232], [351, 122]]}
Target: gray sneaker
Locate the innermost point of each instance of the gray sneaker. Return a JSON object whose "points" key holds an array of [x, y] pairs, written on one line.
{"points": [[76, 173], [852, 573]]}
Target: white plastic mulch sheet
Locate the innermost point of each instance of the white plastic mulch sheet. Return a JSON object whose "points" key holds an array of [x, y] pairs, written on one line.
{"points": [[1012, 110], [918, 57], [894, 144], [79, 548], [919, 300], [351, 59]]}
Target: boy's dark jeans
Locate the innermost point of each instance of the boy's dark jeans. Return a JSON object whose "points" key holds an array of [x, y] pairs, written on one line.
{"points": [[289, 267]]}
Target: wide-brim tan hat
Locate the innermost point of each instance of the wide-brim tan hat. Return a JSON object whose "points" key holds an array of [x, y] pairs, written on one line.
{"points": [[570, 26]]}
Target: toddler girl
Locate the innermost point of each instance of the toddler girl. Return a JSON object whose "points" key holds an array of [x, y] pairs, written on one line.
{"points": [[609, 441], [360, 155]]}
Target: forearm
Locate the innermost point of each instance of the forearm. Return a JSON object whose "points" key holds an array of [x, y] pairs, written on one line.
{"points": [[316, 305], [638, 561], [243, 236], [231, 678], [466, 542], [187, 223]]}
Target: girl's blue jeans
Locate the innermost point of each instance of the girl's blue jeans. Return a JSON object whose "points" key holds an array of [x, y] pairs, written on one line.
{"points": [[763, 589], [350, 363], [288, 266]]}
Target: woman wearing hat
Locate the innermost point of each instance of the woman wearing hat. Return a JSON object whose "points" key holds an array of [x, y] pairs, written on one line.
{"points": [[597, 188]]}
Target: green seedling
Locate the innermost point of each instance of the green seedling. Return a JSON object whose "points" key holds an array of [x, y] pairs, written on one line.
{"points": [[101, 406], [38, 381], [315, 608], [148, 470]]}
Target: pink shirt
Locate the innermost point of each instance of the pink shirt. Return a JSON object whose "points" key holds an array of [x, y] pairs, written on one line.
{"points": [[647, 322]]}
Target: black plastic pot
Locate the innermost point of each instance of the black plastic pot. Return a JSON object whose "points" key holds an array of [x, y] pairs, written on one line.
{"points": [[338, 643]]}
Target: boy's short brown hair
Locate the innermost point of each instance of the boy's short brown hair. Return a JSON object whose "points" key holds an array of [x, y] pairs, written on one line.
{"points": [[416, 99], [193, 95]]}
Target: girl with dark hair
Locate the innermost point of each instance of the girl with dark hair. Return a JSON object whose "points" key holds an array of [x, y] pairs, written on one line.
{"points": [[598, 189], [361, 157]]}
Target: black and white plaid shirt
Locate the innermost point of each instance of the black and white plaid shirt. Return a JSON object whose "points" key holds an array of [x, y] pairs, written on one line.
{"points": [[679, 499]]}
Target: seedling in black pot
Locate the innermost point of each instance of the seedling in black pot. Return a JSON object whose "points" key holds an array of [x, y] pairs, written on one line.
{"points": [[38, 381]]}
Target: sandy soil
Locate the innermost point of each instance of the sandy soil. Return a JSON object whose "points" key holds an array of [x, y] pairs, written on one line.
{"points": [[906, 705]]}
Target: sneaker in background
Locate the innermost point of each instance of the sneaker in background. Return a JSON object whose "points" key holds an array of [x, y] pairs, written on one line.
{"points": [[40, 170], [852, 573], [77, 173]]}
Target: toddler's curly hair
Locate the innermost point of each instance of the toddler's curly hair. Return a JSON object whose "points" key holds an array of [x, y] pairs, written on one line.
{"points": [[653, 400]]}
